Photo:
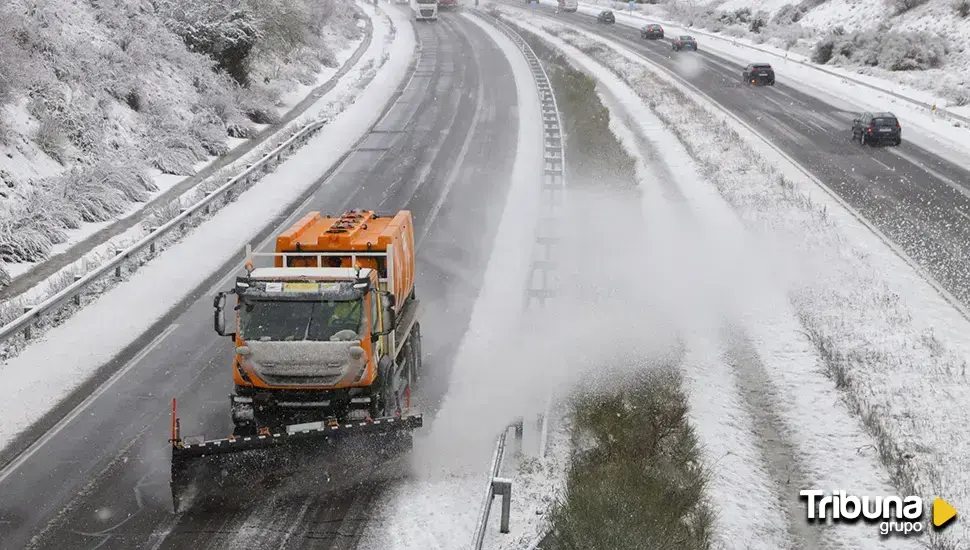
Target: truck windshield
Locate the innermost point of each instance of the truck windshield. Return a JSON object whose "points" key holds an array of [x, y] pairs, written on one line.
{"points": [[427, 1], [298, 321]]}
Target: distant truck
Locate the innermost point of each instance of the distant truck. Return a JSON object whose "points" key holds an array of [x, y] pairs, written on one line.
{"points": [[326, 341], [568, 5], [448, 4], [425, 10]]}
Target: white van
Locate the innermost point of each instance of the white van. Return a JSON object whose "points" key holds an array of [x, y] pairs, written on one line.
{"points": [[568, 5]]}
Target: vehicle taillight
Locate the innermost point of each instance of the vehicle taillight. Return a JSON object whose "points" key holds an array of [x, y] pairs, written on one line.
{"points": [[869, 129], [898, 125]]}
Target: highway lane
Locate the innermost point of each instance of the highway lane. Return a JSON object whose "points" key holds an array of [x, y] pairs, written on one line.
{"points": [[445, 150], [917, 199]]}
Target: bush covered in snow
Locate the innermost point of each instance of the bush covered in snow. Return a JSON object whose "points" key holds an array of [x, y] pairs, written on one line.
{"points": [[962, 7], [889, 49], [108, 89], [903, 6], [643, 429]]}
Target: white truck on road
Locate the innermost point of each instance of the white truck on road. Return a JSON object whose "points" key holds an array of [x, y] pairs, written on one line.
{"points": [[568, 5], [425, 9]]}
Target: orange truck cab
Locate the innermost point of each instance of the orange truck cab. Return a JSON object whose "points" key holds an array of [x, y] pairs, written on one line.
{"points": [[329, 330]]}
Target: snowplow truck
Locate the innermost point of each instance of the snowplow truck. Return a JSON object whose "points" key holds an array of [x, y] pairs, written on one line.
{"points": [[326, 336]]}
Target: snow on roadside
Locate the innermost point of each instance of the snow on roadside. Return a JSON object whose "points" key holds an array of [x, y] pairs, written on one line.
{"points": [[327, 106], [438, 507], [950, 139], [55, 364], [164, 182], [342, 54], [872, 330]]}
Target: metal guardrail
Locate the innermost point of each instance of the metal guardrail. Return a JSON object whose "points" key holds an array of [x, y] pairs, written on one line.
{"points": [[541, 286], [225, 192], [848, 79]]}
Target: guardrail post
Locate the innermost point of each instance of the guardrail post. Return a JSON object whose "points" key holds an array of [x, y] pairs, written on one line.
{"points": [[29, 329], [182, 210], [503, 487], [518, 429], [77, 297], [118, 252]]}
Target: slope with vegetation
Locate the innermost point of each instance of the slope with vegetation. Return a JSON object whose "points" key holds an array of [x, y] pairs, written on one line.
{"points": [[98, 96]]}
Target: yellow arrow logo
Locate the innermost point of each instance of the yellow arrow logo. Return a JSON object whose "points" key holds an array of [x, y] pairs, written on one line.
{"points": [[942, 512]]}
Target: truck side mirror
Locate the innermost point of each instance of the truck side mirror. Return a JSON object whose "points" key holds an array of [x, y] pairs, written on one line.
{"points": [[219, 315]]}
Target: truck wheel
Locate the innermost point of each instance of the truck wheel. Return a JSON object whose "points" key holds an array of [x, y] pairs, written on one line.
{"points": [[385, 387]]}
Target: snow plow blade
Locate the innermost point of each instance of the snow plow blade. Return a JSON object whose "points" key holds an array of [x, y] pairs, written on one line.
{"points": [[187, 451]]}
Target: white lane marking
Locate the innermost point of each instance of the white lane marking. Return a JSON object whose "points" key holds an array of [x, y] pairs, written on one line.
{"points": [[922, 166], [883, 164], [61, 424]]}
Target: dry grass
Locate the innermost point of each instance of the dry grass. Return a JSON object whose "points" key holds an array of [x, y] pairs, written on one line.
{"points": [[641, 484]]}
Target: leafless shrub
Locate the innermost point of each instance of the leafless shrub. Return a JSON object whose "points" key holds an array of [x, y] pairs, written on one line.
{"points": [[891, 50], [49, 138], [959, 94], [962, 7], [95, 202], [160, 215], [903, 6]]}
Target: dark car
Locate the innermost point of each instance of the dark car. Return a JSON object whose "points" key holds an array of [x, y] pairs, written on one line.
{"points": [[877, 128], [685, 43], [759, 73], [606, 17], [652, 31]]}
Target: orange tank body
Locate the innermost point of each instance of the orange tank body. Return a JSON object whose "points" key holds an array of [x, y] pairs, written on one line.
{"points": [[355, 232]]}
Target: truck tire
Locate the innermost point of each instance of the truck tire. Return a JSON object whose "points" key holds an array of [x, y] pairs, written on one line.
{"points": [[415, 345], [388, 402]]}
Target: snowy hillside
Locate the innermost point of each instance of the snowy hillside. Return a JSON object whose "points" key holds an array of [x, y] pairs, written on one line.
{"points": [[924, 44], [99, 97]]}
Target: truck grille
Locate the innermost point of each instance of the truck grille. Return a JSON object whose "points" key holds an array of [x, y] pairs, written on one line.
{"points": [[427, 13], [299, 380]]}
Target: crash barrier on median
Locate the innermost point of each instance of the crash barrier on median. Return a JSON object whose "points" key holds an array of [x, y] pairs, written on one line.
{"points": [[541, 284], [226, 193], [934, 109]]}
